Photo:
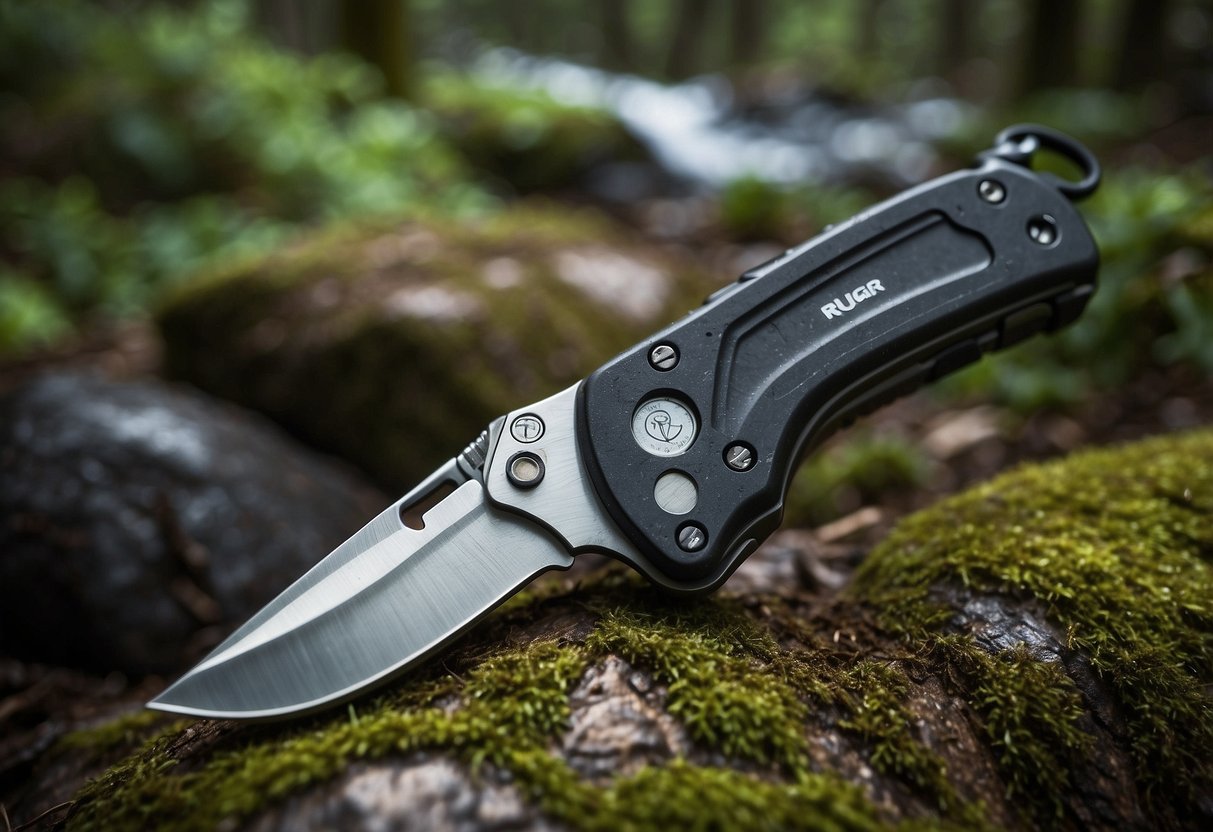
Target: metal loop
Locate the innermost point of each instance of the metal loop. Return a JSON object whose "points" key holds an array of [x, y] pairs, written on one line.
{"points": [[1019, 142]]}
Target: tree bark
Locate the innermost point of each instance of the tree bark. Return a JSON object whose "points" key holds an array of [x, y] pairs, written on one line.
{"points": [[687, 27], [867, 27], [956, 35], [616, 48], [1142, 56], [749, 29], [1050, 54], [380, 32]]}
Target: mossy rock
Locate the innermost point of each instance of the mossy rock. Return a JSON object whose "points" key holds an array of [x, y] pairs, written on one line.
{"points": [[1035, 653], [527, 138], [395, 345]]}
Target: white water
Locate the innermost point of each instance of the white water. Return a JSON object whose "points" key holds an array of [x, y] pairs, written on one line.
{"points": [[689, 129]]}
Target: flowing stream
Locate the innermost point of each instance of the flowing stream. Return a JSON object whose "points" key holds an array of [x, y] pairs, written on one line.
{"points": [[696, 131]]}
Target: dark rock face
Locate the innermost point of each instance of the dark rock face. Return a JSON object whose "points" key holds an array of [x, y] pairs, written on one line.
{"points": [[139, 522]]}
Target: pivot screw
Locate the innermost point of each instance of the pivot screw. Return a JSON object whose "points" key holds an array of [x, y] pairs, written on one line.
{"points": [[527, 428], [991, 191], [1043, 230], [663, 357], [692, 537], [739, 457], [524, 470]]}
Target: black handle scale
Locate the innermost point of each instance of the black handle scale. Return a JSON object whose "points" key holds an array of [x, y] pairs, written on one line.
{"points": [[902, 294]]}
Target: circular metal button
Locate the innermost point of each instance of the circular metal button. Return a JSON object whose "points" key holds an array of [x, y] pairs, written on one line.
{"points": [[675, 493], [664, 427], [524, 470], [527, 428]]}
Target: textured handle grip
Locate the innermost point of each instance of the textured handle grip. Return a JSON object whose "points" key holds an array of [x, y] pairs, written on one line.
{"points": [[693, 460]]}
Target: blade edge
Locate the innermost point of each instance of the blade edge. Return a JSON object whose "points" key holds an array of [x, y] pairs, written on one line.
{"points": [[485, 554]]}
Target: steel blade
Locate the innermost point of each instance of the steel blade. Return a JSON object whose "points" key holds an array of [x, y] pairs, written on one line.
{"points": [[382, 600]]}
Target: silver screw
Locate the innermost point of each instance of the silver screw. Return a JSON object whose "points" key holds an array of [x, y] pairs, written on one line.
{"points": [[692, 538], [1043, 230], [739, 457], [991, 191], [663, 357]]}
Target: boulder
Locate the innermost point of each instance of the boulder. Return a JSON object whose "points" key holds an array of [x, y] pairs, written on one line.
{"points": [[1033, 653], [395, 345], [140, 522]]}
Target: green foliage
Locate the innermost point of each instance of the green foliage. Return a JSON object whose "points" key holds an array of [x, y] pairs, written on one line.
{"points": [[1115, 545], [29, 313], [859, 469], [1142, 314], [752, 209], [187, 141]]}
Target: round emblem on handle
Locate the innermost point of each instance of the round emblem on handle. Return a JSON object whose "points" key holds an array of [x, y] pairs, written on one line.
{"points": [[664, 427]]}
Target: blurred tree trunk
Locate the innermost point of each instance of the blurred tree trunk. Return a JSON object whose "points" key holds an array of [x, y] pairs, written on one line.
{"points": [[616, 46], [1142, 54], [748, 36], [686, 32], [1051, 52], [955, 45], [380, 32], [867, 41]]}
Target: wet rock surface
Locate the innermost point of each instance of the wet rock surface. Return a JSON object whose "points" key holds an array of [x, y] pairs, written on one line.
{"points": [[435, 795], [140, 522], [618, 723]]}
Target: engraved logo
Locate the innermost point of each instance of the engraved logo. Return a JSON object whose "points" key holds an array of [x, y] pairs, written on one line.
{"points": [[661, 427], [664, 427], [839, 306]]}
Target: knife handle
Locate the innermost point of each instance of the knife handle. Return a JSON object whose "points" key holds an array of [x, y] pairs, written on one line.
{"points": [[692, 436]]}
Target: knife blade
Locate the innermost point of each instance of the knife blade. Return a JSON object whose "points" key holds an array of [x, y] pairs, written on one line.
{"points": [[675, 456]]}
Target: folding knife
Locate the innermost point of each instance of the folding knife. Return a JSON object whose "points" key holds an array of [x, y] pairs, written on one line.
{"points": [[675, 456]]}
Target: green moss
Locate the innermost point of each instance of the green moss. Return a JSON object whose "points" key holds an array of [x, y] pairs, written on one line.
{"points": [[875, 693], [682, 796], [726, 682], [125, 730], [525, 138], [708, 656], [1030, 711], [1116, 545]]}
